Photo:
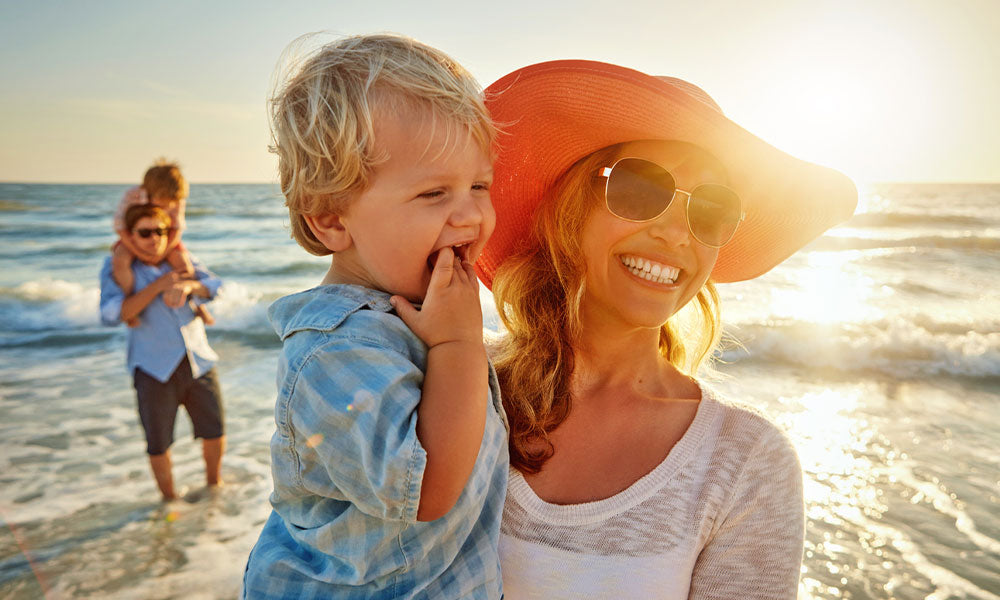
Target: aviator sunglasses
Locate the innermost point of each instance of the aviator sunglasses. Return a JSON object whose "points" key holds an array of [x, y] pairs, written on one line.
{"points": [[145, 233], [638, 190]]}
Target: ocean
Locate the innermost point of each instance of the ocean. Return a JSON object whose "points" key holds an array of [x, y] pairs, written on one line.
{"points": [[877, 348]]}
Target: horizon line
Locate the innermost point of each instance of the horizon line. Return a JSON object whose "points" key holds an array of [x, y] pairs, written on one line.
{"points": [[273, 182], [40, 182]]}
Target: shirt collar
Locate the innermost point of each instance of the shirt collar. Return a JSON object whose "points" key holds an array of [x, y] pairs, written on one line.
{"points": [[323, 308]]}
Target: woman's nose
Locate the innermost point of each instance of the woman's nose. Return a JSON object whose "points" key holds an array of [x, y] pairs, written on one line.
{"points": [[672, 226]]}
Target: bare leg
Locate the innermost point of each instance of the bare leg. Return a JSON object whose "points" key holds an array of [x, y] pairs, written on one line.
{"points": [[212, 451], [202, 311], [163, 472]]}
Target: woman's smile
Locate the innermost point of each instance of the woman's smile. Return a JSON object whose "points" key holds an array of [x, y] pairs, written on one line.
{"points": [[649, 270]]}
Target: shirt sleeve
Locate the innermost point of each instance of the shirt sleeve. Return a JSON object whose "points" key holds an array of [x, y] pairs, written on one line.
{"points": [[755, 551], [207, 278], [111, 297], [352, 428]]}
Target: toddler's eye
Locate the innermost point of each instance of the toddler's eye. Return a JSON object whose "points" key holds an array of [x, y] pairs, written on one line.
{"points": [[432, 195], [481, 186]]}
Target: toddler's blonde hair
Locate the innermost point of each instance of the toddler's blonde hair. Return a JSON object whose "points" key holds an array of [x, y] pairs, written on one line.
{"points": [[164, 180], [323, 114]]}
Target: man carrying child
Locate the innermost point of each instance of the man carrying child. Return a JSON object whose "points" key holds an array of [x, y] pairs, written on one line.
{"points": [[164, 186], [168, 353]]}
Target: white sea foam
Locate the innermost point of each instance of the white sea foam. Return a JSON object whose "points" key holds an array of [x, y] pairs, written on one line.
{"points": [[898, 346], [53, 304], [49, 304], [237, 306]]}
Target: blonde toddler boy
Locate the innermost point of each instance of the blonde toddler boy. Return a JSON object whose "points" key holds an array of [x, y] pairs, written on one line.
{"points": [[389, 458]]}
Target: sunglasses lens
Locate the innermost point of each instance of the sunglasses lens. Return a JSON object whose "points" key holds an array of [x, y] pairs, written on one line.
{"points": [[639, 190], [146, 233], [713, 214]]}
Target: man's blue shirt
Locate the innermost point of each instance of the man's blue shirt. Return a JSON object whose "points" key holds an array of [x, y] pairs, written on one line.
{"points": [[348, 467], [164, 335]]}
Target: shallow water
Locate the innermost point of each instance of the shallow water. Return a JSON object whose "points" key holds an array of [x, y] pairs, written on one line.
{"points": [[876, 347]]}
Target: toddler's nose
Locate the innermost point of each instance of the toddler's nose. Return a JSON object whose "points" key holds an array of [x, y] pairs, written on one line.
{"points": [[467, 211]]}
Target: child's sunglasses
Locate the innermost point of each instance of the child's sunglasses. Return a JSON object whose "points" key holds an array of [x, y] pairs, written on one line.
{"points": [[638, 190], [145, 233]]}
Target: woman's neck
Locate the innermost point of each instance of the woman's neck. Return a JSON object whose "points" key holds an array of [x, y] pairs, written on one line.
{"points": [[610, 357]]}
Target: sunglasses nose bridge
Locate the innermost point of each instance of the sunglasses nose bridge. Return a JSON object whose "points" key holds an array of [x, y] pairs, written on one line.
{"points": [[672, 224]]}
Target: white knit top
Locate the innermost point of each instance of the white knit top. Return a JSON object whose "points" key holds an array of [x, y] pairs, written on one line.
{"points": [[721, 517]]}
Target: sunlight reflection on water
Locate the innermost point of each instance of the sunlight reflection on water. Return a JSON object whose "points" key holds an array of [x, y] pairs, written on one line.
{"points": [[832, 288]]}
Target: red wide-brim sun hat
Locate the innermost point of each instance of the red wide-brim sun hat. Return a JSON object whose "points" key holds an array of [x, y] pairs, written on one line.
{"points": [[552, 114]]}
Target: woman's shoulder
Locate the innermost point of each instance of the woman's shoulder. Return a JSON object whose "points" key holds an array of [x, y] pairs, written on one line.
{"points": [[747, 430]]}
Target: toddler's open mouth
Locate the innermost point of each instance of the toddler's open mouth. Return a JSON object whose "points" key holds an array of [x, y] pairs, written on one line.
{"points": [[462, 250]]}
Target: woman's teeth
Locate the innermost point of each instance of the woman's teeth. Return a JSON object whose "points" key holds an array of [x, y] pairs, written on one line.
{"points": [[650, 271]]}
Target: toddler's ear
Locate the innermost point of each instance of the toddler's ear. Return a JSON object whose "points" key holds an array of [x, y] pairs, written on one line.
{"points": [[330, 230]]}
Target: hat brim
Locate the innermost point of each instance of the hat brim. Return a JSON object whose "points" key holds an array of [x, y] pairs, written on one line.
{"points": [[553, 114]]}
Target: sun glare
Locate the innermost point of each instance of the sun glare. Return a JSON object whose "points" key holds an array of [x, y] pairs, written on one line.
{"points": [[832, 290]]}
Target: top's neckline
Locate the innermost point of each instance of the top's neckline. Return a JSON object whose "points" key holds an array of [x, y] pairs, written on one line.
{"points": [[644, 487]]}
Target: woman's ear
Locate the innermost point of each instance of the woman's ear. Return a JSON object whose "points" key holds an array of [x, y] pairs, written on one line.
{"points": [[330, 230]]}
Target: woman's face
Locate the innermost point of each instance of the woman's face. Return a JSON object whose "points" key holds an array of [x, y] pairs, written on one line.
{"points": [[616, 251]]}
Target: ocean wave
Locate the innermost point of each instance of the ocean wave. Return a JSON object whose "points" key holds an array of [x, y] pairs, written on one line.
{"points": [[49, 306], [58, 338], [199, 211], [76, 251], [961, 242], [237, 308], [907, 219], [51, 312], [15, 206], [917, 347], [285, 269], [252, 338], [917, 289]]}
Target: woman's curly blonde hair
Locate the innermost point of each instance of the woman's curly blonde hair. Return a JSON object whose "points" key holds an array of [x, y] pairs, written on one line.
{"points": [[538, 292]]}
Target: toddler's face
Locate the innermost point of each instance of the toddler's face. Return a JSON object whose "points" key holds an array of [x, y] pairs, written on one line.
{"points": [[167, 203], [433, 191]]}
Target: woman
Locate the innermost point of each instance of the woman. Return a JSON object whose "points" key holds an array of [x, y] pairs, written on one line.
{"points": [[621, 198]]}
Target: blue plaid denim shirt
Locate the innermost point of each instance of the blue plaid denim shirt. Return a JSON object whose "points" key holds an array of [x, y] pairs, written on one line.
{"points": [[347, 465]]}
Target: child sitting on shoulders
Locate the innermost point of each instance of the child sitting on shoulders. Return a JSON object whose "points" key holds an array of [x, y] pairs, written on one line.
{"points": [[163, 186], [390, 456]]}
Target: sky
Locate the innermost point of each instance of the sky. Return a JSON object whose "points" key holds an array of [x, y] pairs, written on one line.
{"points": [[884, 90]]}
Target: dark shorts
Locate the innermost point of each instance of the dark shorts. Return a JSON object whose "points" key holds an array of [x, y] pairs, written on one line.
{"points": [[158, 404]]}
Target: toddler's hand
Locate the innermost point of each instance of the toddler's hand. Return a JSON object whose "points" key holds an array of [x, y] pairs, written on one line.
{"points": [[166, 281], [451, 310], [165, 285], [177, 294]]}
